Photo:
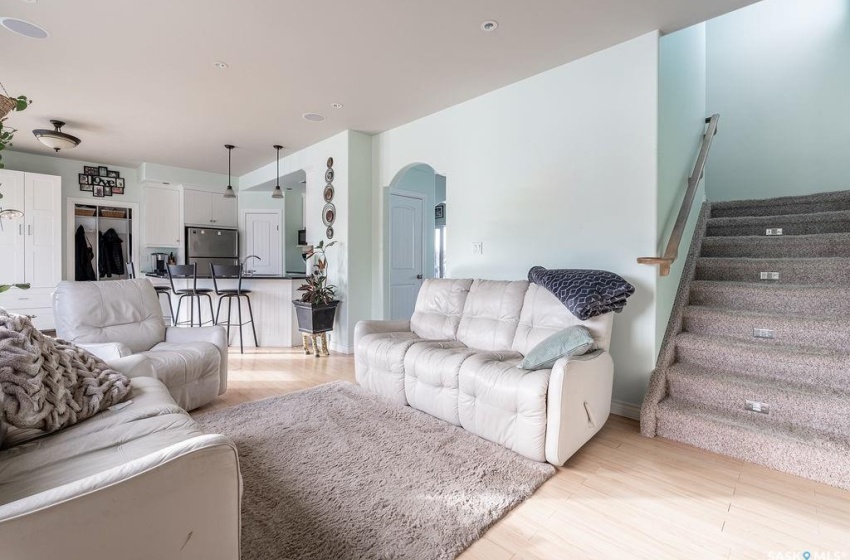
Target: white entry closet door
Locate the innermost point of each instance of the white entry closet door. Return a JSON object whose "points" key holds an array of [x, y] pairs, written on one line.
{"points": [[263, 232], [407, 259]]}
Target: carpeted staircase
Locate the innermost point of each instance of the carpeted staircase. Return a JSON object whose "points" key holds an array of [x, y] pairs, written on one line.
{"points": [[762, 318]]}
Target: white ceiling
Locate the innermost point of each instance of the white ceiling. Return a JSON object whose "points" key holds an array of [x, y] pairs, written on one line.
{"points": [[135, 79]]}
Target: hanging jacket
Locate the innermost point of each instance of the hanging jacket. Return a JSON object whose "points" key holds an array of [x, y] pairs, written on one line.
{"points": [[83, 256], [111, 259]]}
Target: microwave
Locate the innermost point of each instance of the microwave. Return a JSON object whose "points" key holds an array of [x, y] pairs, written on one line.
{"points": [[302, 236]]}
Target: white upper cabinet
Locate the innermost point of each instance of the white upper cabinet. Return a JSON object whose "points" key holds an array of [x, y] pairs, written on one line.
{"points": [[163, 218], [12, 231], [204, 208], [43, 223]]}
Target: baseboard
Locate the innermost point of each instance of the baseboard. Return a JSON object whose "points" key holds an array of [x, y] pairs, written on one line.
{"points": [[625, 409], [340, 348]]}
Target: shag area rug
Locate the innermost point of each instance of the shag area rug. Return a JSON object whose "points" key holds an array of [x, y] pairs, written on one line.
{"points": [[335, 472]]}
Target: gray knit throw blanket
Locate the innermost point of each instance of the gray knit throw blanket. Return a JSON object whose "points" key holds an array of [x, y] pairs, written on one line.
{"points": [[48, 383]]}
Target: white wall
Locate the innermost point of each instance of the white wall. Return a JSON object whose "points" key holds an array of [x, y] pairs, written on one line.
{"points": [[681, 121], [558, 170], [779, 75]]}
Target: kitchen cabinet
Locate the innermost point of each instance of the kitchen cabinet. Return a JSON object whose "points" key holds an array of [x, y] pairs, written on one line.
{"points": [[203, 208], [31, 246], [163, 216]]}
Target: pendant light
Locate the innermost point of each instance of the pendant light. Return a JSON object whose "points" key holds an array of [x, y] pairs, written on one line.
{"points": [[277, 193], [9, 213], [55, 138], [229, 192]]}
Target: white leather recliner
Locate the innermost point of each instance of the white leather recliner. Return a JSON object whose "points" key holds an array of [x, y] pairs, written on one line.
{"points": [[123, 317], [456, 359]]}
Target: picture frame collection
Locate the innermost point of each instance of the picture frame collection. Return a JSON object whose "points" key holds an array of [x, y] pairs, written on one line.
{"points": [[101, 181]]}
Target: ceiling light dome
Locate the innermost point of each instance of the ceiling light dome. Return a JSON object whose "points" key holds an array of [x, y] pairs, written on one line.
{"points": [[56, 139]]}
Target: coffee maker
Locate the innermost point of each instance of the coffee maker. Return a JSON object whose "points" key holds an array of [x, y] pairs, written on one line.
{"points": [[160, 261]]}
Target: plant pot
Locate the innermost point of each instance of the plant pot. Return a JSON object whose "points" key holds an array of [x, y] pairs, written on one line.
{"points": [[6, 105], [315, 318]]}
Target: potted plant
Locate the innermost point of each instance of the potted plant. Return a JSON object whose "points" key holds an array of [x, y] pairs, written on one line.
{"points": [[7, 105], [316, 309]]}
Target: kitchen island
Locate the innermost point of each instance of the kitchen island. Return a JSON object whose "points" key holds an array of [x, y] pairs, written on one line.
{"points": [[271, 300]]}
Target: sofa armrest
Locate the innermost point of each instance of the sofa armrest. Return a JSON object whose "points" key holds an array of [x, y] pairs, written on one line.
{"points": [[133, 366], [578, 403], [107, 350], [182, 501], [216, 335], [362, 328]]}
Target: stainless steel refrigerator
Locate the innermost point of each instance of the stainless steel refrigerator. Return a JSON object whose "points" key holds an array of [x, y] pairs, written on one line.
{"points": [[205, 246]]}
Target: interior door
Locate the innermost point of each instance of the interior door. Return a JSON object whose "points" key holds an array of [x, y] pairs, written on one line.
{"points": [[263, 238], [43, 229], [407, 258], [12, 231]]}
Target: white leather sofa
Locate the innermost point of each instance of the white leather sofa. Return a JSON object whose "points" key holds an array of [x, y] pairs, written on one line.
{"points": [[135, 482], [456, 359], [123, 317]]}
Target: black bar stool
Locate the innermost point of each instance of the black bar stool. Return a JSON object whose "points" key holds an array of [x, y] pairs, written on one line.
{"points": [[220, 272], [189, 272], [160, 290]]}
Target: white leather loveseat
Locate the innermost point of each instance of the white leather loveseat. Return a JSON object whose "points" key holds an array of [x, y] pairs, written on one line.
{"points": [[123, 317], [456, 359]]}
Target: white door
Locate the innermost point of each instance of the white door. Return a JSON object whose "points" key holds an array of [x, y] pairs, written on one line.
{"points": [[43, 229], [224, 212], [163, 217], [406, 254], [263, 238], [12, 231], [197, 208]]}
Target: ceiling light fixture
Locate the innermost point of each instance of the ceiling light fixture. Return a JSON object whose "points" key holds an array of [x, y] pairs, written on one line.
{"points": [[312, 117], [24, 28], [55, 138], [229, 192], [221, 65], [337, 105], [489, 25], [277, 193]]}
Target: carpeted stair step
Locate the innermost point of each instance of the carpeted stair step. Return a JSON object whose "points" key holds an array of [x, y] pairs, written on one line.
{"points": [[800, 366], [823, 202], [752, 326], [824, 460], [820, 245], [819, 301], [812, 410], [791, 224], [824, 270]]}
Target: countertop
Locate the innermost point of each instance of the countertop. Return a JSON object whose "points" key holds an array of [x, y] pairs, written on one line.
{"points": [[254, 277]]}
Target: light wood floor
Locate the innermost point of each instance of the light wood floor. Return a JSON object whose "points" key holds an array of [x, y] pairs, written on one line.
{"points": [[621, 496]]}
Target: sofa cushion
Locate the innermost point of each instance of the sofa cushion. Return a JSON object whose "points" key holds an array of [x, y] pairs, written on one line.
{"points": [[190, 370], [503, 404], [544, 315], [124, 311], [491, 314], [439, 307], [150, 422], [431, 377], [379, 364]]}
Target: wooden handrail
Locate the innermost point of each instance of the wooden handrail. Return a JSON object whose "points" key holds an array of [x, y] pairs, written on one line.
{"points": [[671, 253]]}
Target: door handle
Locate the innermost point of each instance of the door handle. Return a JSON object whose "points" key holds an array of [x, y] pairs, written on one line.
{"points": [[419, 277], [29, 229], [20, 229]]}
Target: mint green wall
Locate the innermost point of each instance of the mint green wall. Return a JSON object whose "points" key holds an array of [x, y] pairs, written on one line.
{"points": [[681, 120], [779, 75]]}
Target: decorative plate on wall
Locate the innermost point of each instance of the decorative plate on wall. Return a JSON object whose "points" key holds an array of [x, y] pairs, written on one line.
{"points": [[329, 214], [329, 175], [328, 193], [330, 162], [330, 232]]}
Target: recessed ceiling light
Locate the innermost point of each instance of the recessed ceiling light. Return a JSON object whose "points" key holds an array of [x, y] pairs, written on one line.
{"points": [[24, 28], [336, 105], [30, 1], [312, 117], [221, 65], [489, 25]]}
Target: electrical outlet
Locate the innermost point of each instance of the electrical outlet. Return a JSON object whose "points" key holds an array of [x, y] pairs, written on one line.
{"points": [[763, 333], [755, 406], [774, 231], [769, 276], [477, 248]]}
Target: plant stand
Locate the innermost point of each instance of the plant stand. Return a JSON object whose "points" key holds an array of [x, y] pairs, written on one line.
{"points": [[314, 322]]}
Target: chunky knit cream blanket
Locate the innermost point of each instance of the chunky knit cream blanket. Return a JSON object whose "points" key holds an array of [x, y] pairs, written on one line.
{"points": [[49, 383]]}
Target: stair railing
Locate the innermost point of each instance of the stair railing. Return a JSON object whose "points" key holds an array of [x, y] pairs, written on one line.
{"points": [[671, 253]]}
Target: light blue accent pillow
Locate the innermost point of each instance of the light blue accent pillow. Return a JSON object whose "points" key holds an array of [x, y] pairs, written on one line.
{"points": [[572, 341]]}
